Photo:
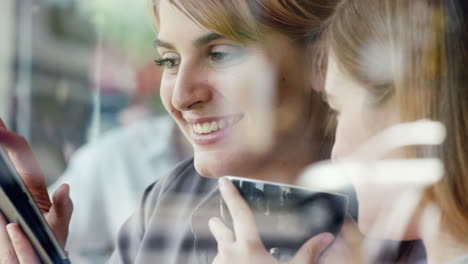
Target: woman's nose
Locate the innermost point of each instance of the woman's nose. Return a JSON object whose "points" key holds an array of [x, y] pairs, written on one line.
{"points": [[192, 89]]}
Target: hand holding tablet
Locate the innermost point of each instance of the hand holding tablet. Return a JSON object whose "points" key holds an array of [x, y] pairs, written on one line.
{"points": [[25, 203]]}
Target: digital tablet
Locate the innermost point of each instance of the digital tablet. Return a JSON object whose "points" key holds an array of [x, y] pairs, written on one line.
{"points": [[18, 206]]}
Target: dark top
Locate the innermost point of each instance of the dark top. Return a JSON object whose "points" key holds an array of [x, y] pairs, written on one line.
{"points": [[171, 225]]}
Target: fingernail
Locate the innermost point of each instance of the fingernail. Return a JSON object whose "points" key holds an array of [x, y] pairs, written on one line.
{"points": [[67, 190], [222, 182], [67, 199], [211, 223], [326, 239], [12, 231]]}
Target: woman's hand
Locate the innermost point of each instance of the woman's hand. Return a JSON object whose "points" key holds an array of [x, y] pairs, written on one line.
{"points": [[244, 244], [14, 246]]}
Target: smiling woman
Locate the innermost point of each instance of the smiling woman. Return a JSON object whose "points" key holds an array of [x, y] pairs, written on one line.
{"points": [[241, 83], [244, 107], [247, 109]]}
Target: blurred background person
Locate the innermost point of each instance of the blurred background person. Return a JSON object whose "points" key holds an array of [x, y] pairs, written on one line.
{"points": [[131, 144], [109, 174], [69, 68], [77, 81], [109, 177]]}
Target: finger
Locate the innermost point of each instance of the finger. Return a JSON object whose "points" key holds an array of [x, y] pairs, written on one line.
{"points": [[350, 231], [24, 251], [7, 252], [220, 232], [60, 213], [245, 228], [27, 166], [352, 239], [339, 253], [2, 124], [311, 250]]}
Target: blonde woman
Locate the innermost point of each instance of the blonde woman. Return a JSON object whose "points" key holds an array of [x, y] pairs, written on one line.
{"points": [[239, 80]]}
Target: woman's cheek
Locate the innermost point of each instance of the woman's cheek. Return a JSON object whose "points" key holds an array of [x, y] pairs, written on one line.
{"points": [[166, 95], [345, 138]]}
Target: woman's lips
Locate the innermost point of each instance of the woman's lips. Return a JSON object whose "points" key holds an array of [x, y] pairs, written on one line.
{"points": [[207, 131]]}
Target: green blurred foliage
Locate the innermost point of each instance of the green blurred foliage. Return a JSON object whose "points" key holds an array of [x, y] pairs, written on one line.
{"points": [[123, 24]]}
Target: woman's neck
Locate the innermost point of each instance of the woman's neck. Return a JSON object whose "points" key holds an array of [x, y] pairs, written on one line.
{"points": [[285, 168], [441, 246], [283, 173], [290, 159]]}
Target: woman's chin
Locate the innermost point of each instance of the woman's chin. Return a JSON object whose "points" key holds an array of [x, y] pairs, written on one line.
{"points": [[216, 164]]}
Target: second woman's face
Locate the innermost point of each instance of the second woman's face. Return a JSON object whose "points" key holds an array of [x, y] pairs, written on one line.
{"points": [[357, 122], [237, 103], [357, 119]]}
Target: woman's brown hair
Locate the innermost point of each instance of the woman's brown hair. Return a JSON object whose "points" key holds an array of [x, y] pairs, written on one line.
{"points": [[416, 52], [301, 21], [242, 20]]}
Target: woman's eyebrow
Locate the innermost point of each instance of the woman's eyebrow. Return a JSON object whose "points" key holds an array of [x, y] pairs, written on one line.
{"points": [[162, 44], [205, 39]]}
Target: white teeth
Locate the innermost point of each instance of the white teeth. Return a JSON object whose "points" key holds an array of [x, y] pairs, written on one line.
{"points": [[214, 126], [209, 127], [206, 128], [222, 124]]}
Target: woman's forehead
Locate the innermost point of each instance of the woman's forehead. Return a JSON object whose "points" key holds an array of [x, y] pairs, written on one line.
{"points": [[232, 19], [175, 26], [171, 17]]}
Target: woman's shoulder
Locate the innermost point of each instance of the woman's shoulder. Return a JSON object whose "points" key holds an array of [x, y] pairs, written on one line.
{"points": [[185, 178], [182, 180]]}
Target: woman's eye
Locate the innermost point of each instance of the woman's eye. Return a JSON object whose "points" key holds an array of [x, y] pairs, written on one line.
{"points": [[223, 55], [220, 56], [166, 63]]}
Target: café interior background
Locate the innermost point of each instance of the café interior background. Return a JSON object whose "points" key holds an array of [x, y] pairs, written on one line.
{"points": [[68, 68]]}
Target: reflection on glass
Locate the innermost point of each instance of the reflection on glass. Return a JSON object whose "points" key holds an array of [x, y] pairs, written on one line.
{"points": [[361, 101]]}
